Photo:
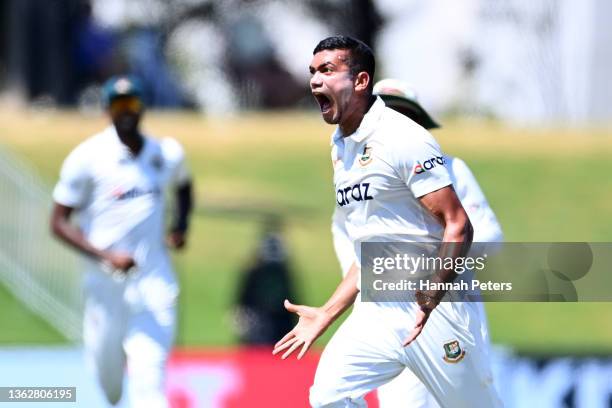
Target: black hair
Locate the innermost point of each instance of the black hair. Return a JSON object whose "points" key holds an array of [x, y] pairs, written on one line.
{"points": [[361, 55]]}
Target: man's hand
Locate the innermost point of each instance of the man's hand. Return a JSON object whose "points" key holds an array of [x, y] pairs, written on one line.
{"points": [[426, 304], [315, 320], [119, 261], [176, 240], [312, 324]]}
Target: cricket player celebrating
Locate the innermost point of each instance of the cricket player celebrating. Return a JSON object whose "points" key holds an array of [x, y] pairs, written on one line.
{"points": [[406, 390], [378, 150], [116, 181]]}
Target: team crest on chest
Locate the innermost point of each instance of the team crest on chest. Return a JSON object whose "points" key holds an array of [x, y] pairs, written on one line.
{"points": [[453, 353], [366, 156]]}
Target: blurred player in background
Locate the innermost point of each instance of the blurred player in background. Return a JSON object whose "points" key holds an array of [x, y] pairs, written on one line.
{"points": [[382, 197], [400, 97], [407, 390], [116, 182]]}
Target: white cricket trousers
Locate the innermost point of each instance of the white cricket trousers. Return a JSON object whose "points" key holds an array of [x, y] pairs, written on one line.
{"points": [[407, 391], [131, 324], [450, 357]]}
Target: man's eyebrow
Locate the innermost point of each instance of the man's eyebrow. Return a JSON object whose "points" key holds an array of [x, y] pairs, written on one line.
{"points": [[326, 63]]}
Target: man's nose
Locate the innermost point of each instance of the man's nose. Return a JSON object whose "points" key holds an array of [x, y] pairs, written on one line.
{"points": [[315, 81]]}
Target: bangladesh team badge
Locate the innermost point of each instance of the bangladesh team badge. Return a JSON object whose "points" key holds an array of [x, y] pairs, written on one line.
{"points": [[366, 156], [453, 353]]}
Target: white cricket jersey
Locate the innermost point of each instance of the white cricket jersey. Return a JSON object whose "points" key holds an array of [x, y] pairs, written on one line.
{"points": [[380, 171], [120, 197], [482, 217]]}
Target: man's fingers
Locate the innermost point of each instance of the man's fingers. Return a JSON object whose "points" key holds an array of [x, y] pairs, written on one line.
{"points": [[305, 348], [292, 349], [415, 333], [283, 346], [291, 307], [421, 319], [284, 339]]}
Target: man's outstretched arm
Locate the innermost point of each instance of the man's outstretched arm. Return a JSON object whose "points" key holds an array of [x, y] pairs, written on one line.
{"points": [[313, 321]]}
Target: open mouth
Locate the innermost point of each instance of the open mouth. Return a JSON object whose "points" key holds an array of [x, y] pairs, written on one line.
{"points": [[323, 101]]}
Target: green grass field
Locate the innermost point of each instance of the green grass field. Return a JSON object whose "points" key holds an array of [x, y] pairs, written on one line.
{"points": [[544, 184]]}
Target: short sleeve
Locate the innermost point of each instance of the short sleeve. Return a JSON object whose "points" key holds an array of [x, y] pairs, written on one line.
{"points": [[74, 186], [175, 155], [421, 164]]}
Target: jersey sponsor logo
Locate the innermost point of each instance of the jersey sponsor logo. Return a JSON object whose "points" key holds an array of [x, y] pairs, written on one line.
{"points": [[120, 195], [358, 192], [453, 353], [429, 164], [366, 156]]}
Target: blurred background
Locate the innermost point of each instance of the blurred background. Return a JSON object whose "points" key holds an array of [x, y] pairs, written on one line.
{"points": [[521, 88]]}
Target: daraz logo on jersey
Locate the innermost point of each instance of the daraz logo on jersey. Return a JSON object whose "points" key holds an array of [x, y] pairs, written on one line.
{"points": [[119, 194], [429, 164], [358, 192]]}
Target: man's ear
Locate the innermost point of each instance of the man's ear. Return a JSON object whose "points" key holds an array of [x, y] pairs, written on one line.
{"points": [[362, 81]]}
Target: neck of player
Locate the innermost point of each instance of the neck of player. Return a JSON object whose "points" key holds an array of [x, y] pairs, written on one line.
{"points": [[353, 120], [132, 139]]}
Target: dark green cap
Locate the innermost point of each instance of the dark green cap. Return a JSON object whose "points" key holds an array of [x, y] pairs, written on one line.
{"points": [[118, 86]]}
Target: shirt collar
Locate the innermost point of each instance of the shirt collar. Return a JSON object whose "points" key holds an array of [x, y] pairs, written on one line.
{"points": [[366, 127], [124, 151]]}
